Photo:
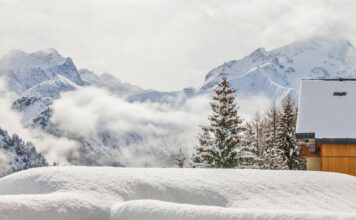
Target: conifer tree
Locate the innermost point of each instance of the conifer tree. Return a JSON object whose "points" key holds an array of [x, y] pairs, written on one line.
{"points": [[180, 159], [286, 140], [257, 140], [270, 125], [219, 141], [273, 157], [248, 152]]}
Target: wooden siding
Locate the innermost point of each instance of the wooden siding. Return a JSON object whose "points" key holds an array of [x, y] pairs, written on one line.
{"points": [[339, 158]]}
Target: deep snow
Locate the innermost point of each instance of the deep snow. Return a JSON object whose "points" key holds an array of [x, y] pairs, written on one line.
{"points": [[105, 193]]}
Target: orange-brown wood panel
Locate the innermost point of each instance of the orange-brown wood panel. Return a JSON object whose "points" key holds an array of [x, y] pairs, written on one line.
{"points": [[339, 158]]}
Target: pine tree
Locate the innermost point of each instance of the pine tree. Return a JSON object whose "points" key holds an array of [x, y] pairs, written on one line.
{"points": [[286, 140], [273, 157], [257, 132], [219, 141], [248, 152], [180, 158], [270, 125]]}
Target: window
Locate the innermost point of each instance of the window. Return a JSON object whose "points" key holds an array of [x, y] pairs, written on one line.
{"points": [[339, 93]]}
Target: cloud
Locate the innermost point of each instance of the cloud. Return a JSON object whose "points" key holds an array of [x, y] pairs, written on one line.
{"points": [[122, 133], [5, 160], [55, 149], [144, 133], [136, 134], [167, 44]]}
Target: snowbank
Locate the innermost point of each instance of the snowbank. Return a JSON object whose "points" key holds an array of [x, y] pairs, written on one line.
{"points": [[92, 193]]}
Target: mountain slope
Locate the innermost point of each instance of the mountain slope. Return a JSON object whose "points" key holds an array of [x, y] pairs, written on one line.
{"points": [[278, 72], [108, 82], [16, 155]]}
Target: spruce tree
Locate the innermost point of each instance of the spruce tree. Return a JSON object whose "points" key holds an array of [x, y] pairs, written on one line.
{"points": [[273, 157], [257, 140], [270, 125], [286, 140], [248, 152], [219, 141], [180, 158]]}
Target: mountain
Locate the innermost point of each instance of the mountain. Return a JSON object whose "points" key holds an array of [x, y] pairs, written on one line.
{"points": [[277, 72], [16, 155], [109, 82], [24, 70], [40, 77]]}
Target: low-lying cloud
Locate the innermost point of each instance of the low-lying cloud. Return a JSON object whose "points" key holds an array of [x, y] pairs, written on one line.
{"points": [[139, 134], [115, 131], [143, 133], [55, 149]]}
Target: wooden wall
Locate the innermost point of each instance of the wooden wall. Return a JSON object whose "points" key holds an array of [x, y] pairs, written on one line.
{"points": [[339, 158]]}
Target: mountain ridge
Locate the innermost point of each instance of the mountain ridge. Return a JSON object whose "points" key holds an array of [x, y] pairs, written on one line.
{"points": [[39, 78]]}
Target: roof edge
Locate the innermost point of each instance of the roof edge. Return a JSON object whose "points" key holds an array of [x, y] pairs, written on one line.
{"points": [[336, 140], [305, 135], [326, 140], [332, 79]]}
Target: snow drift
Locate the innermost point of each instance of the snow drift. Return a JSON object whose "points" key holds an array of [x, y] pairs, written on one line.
{"points": [[91, 193]]}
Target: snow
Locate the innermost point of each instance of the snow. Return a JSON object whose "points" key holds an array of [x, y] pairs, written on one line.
{"points": [[109, 82], [26, 70], [278, 72], [106, 193], [320, 112]]}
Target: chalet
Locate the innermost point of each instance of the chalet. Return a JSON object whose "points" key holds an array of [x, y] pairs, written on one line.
{"points": [[326, 124]]}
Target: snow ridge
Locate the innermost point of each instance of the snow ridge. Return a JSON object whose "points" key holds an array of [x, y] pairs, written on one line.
{"points": [[160, 194]]}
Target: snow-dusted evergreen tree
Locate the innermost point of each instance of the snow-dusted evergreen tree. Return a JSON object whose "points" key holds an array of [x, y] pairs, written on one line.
{"points": [[286, 140], [255, 130], [252, 140], [180, 158], [219, 141], [270, 125], [273, 157]]}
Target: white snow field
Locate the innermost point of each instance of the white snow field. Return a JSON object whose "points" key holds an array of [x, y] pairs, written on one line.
{"points": [[106, 193]]}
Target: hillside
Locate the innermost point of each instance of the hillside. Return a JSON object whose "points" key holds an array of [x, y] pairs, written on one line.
{"points": [[16, 155], [85, 193]]}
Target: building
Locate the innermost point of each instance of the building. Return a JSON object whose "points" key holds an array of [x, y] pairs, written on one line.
{"points": [[326, 124]]}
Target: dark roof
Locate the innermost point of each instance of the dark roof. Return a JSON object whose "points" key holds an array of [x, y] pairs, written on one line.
{"points": [[326, 140], [334, 79]]}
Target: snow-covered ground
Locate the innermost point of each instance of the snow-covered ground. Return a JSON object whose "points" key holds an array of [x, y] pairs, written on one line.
{"points": [[105, 193]]}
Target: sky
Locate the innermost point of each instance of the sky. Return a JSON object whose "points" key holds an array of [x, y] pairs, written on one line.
{"points": [[166, 44]]}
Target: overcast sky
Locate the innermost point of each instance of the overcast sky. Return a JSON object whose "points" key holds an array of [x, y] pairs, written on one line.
{"points": [[166, 44]]}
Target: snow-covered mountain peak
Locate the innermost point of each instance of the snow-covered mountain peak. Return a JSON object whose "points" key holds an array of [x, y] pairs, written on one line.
{"points": [[25, 70], [109, 82], [258, 53], [321, 44], [275, 73], [44, 59]]}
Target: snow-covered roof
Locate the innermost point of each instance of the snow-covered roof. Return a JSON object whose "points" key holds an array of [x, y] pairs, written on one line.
{"points": [[328, 108]]}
